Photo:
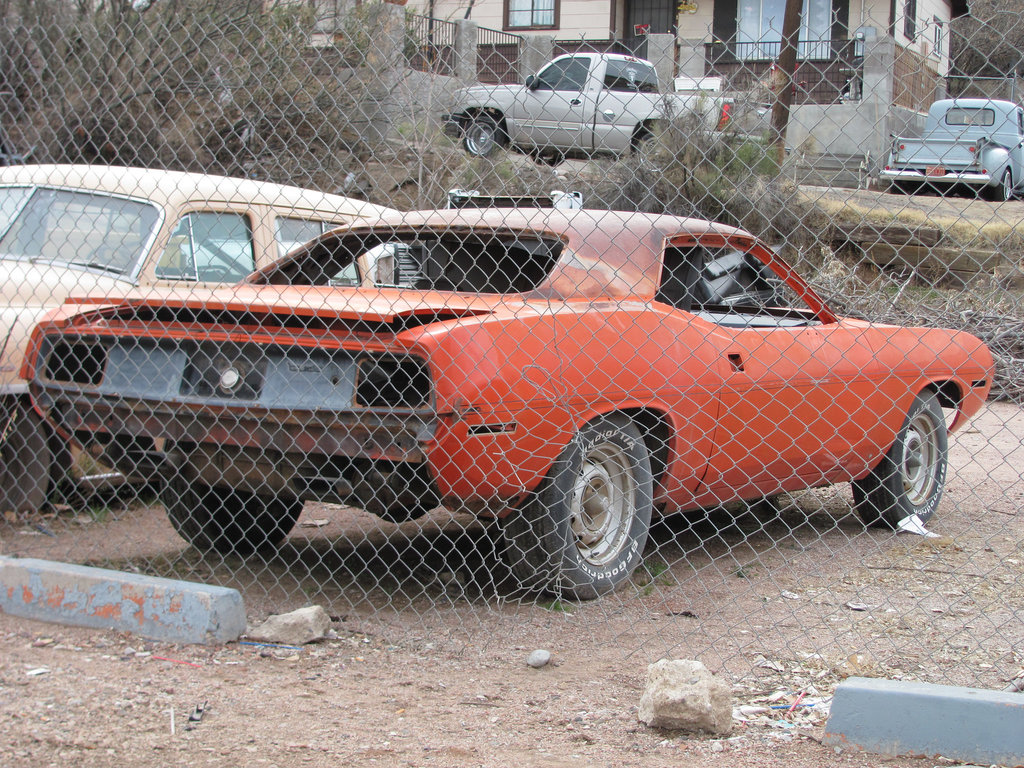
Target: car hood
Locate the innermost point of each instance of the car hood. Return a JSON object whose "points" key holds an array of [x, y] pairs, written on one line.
{"points": [[28, 292]]}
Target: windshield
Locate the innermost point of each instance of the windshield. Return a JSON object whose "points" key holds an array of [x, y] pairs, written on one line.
{"points": [[86, 229]]}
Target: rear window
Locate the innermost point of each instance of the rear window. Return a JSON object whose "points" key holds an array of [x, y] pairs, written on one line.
{"points": [[632, 76], [474, 262], [964, 116]]}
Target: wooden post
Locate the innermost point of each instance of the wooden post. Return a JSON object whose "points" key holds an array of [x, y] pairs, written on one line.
{"points": [[787, 68]]}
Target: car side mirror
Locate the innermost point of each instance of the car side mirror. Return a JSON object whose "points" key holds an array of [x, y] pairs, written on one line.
{"points": [[532, 82]]}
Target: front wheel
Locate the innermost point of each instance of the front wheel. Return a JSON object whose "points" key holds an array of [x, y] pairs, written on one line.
{"points": [[228, 520], [910, 478], [483, 136], [583, 532]]}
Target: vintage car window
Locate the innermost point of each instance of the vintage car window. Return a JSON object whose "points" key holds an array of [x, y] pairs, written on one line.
{"points": [[293, 232], [564, 75], [474, 262], [728, 287], [631, 76], [208, 246], [84, 229], [962, 116], [11, 201]]}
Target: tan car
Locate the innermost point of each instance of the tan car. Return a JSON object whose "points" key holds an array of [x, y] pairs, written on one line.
{"points": [[75, 230]]}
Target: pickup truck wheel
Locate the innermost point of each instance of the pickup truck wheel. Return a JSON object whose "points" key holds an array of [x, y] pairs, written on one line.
{"points": [[483, 136], [583, 532], [910, 477], [1006, 186], [228, 520]]}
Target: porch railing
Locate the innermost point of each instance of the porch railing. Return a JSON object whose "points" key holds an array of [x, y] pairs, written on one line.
{"points": [[828, 71]]}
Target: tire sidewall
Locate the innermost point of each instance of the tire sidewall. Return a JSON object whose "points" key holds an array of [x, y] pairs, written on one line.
{"points": [[481, 123], [576, 576], [893, 483]]}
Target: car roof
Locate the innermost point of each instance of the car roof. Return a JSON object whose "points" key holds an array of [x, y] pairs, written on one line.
{"points": [[176, 188], [608, 253]]}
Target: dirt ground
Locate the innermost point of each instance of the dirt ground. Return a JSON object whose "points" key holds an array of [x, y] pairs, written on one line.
{"points": [[428, 666]]}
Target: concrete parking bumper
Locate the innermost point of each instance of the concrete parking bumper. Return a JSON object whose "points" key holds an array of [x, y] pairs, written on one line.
{"points": [[155, 608], [894, 717]]}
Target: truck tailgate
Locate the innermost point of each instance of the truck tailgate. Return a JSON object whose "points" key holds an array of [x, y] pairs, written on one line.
{"points": [[946, 153]]}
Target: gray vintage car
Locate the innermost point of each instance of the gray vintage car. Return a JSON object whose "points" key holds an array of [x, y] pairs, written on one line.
{"points": [[973, 142]]}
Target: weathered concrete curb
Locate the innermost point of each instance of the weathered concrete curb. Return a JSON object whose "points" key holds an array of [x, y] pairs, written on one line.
{"points": [[159, 609], [900, 718]]}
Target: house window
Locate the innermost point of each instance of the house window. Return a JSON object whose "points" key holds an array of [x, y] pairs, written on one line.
{"points": [[910, 19], [938, 36], [531, 14], [760, 26]]}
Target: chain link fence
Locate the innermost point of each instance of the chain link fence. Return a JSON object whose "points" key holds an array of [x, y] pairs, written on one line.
{"points": [[452, 422]]}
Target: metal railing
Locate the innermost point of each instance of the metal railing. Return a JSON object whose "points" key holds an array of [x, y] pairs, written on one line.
{"points": [[430, 44], [497, 56], [828, 71]]}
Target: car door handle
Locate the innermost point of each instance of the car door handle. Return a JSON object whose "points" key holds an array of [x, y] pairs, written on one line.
{"points": [[576, 102], [608, 114]]}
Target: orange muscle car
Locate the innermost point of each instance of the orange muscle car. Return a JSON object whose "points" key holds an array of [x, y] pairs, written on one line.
{"points": [[569, 373]]}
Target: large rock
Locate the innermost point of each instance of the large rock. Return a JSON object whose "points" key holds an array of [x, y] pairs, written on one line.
{"points": [[302, 626], [684, 695]]}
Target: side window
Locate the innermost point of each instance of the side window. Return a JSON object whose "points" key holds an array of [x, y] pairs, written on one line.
{"points": [[208, 247], [723, 279], [291, 233], [631, 76], [564, 75]]}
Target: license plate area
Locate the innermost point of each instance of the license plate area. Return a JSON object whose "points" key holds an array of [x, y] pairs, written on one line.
{"points": [[935, 170]]}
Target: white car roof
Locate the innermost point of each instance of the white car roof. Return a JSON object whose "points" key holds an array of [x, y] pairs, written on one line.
{"points": [[174, 188]]}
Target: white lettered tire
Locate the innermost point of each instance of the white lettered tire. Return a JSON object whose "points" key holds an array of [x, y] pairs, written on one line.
{"points": [[583, 532], [911, 476]]}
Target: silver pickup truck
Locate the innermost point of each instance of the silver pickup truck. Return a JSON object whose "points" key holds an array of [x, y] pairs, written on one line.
{"points": [[578, 103], [977, 142]]}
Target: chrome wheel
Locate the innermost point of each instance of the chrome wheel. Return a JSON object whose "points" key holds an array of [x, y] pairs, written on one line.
{"points": [[481, 137], [602, 505], [920, 456]]}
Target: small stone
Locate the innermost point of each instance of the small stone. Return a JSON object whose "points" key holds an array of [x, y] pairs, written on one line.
{"points": [[717, 746], [538, 658], [296, 628]]}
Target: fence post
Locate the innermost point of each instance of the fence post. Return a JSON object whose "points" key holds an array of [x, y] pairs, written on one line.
{"points": [[465, 50], [661, 51], [878, 91], [537, 51]]}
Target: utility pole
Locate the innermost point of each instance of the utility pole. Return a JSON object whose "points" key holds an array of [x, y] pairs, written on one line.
{"points": [[787, 68]]}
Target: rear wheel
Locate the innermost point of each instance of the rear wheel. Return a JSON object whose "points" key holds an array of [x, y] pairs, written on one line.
{"points": [[228, 520], [910, 478], [583, 532]]}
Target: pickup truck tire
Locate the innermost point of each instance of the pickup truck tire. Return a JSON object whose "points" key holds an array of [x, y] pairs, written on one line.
{"points": [[483, 136]]}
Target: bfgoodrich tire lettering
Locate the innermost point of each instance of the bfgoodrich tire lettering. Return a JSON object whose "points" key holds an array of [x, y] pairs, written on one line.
{"points": [[911, 476], [583, 532], [228, 520]]}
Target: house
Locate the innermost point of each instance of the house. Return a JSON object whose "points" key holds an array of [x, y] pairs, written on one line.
{"points": [[865, 67]]}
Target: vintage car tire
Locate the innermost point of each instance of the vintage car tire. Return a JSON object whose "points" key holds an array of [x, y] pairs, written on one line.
{"points": [[482, 136], [582, 533], [910, 477], [228, 520]]}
